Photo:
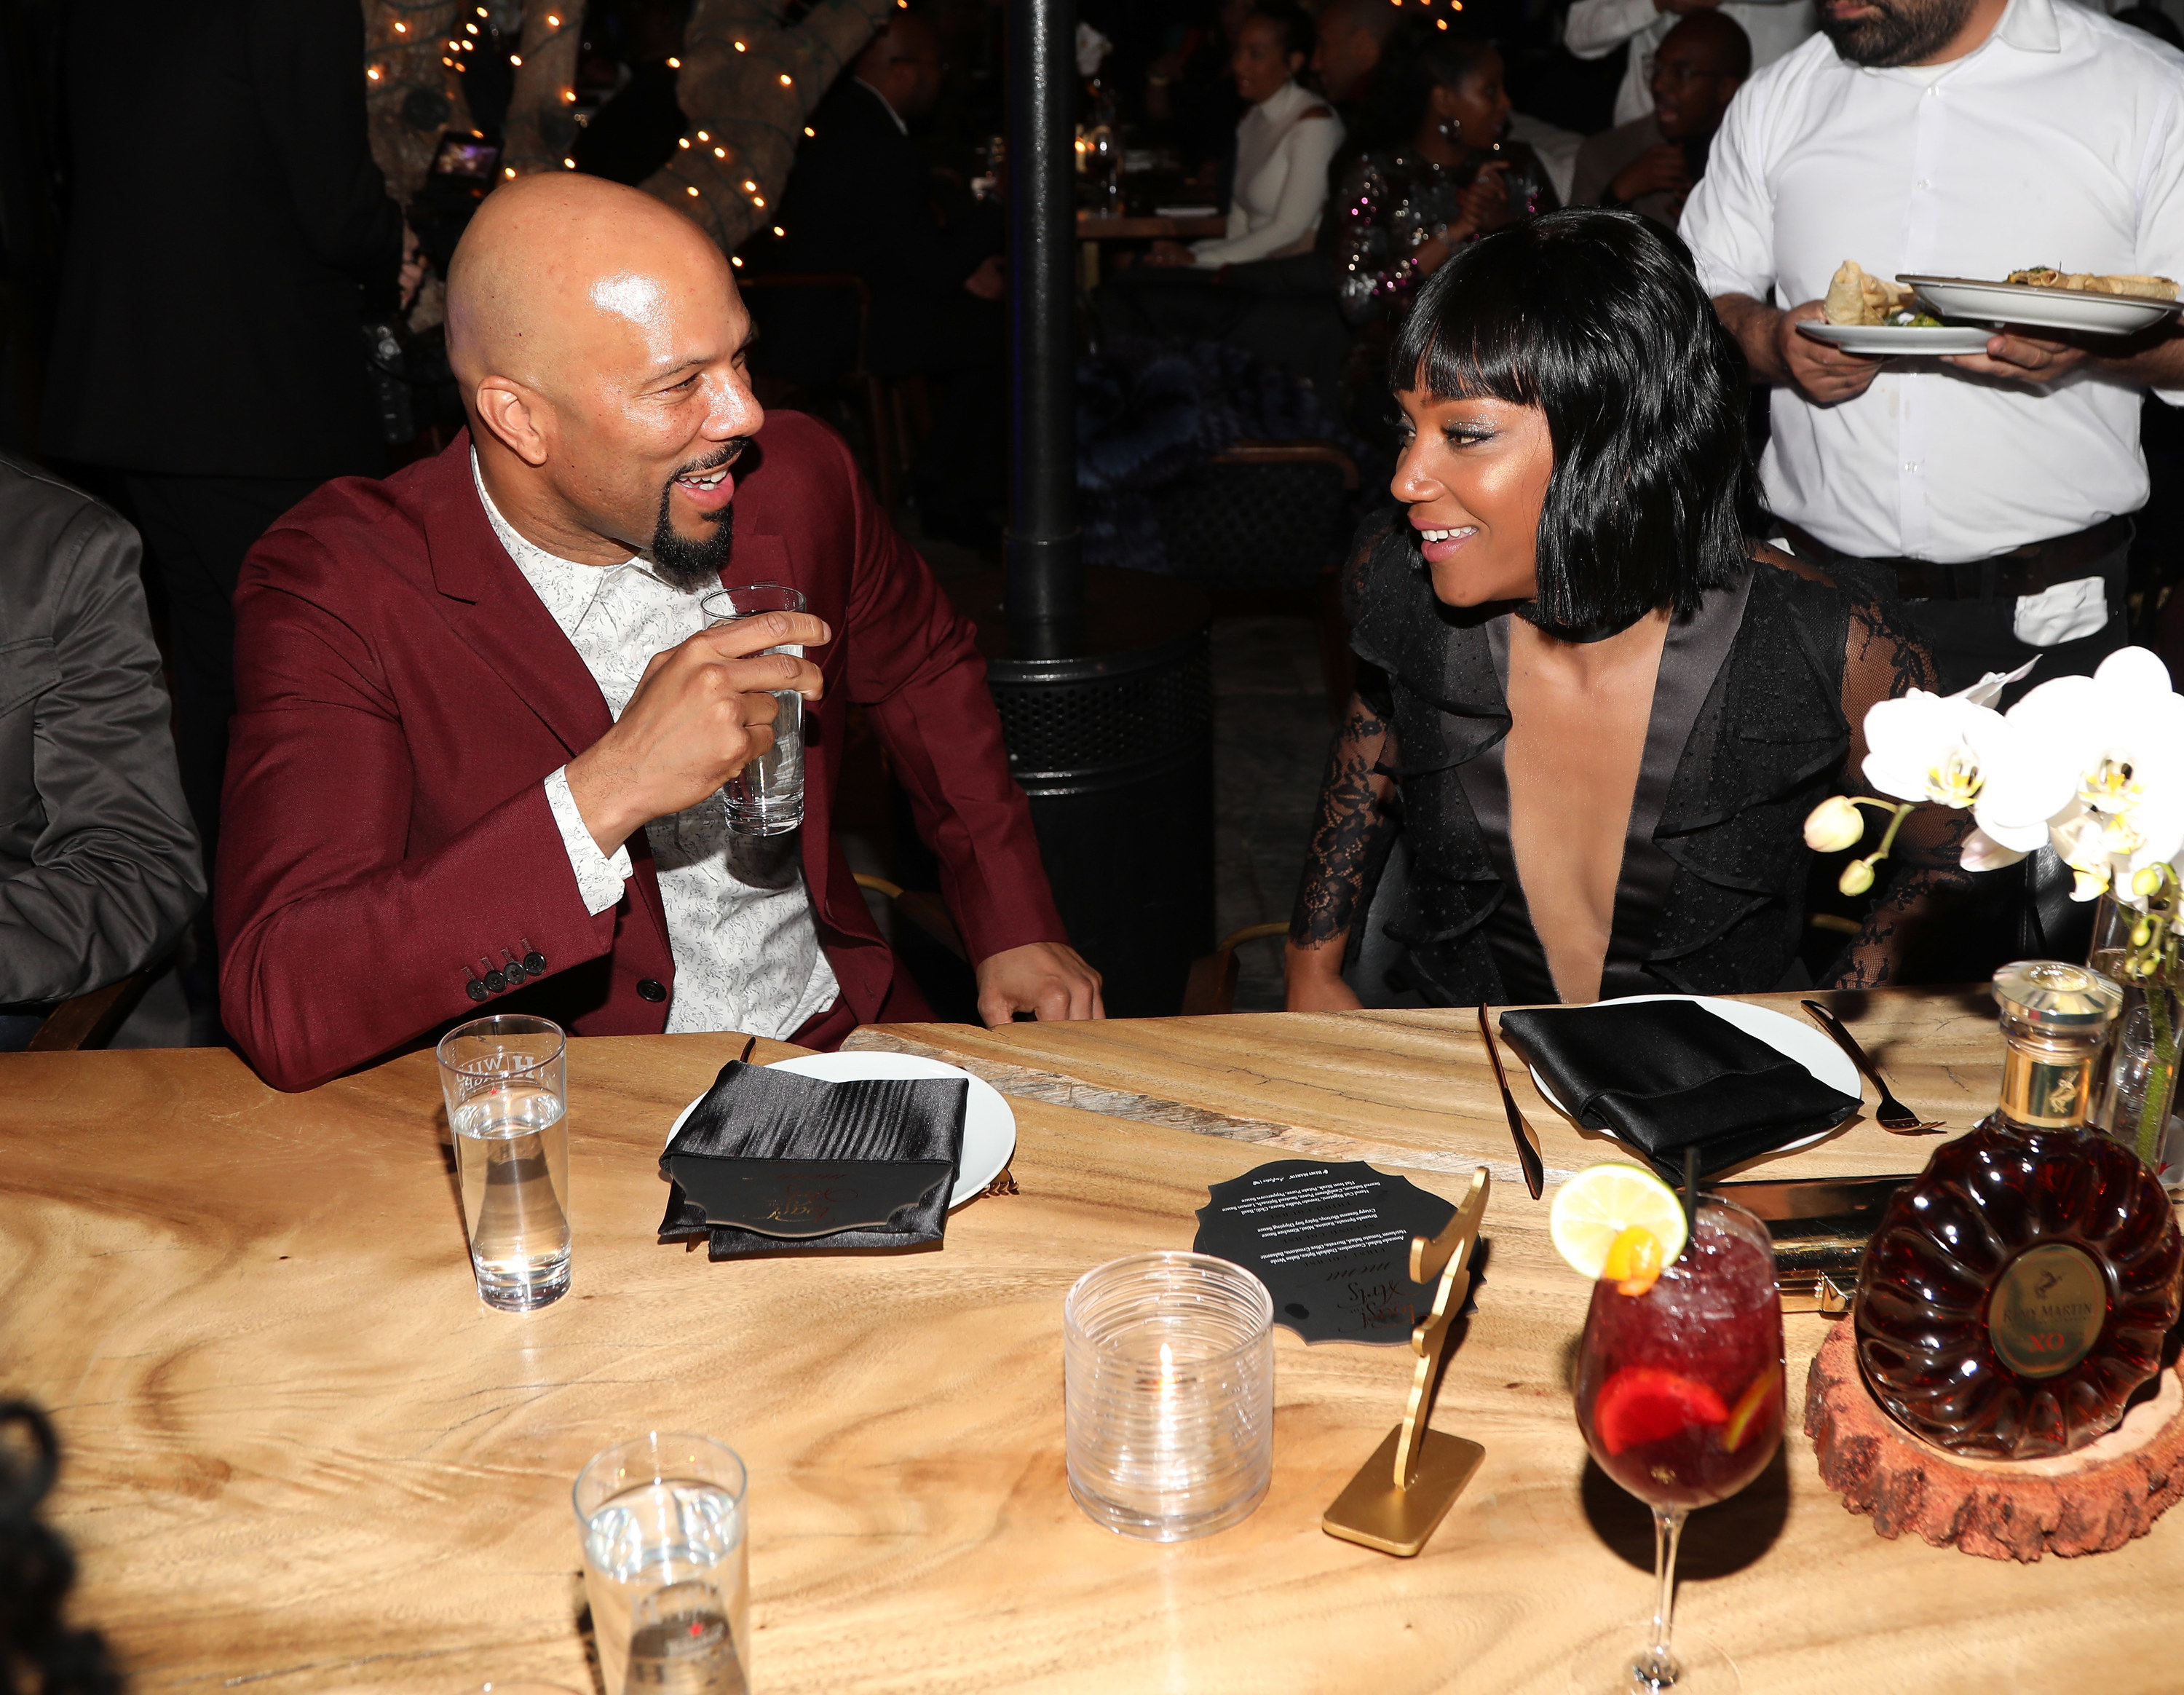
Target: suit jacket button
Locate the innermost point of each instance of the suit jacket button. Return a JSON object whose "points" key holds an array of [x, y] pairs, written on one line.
{"points": [[651, 991], [535, 962], [477, 989], [512, 972], [496, 981]]}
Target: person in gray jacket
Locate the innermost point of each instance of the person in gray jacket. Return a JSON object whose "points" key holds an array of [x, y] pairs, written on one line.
{"points": [[99, 871]]}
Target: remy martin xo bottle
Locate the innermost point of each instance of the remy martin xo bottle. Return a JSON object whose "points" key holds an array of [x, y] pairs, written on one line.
{"points": [[2017, 1292]]}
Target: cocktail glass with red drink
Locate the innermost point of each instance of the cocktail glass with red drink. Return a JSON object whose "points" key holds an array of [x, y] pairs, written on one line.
{"points": [[1679, 1394]]}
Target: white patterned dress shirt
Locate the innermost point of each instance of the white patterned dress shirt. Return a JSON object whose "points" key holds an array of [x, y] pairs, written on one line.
{"points": [[747, 953], [2059, 140]]}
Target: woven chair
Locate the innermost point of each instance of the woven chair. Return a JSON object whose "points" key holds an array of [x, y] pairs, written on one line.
{"points": [[1262, 528]]}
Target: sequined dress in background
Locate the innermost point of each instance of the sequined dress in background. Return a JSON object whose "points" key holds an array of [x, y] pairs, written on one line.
{"points": [[1391, 203]]}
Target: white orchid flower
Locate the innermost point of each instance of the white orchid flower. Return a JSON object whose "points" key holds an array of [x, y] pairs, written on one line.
{"points": [[1922, 747], [2118, 736]]}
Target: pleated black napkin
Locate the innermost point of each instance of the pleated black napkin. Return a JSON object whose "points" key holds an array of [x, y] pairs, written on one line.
{"points": [[769, 1161], [1665, 1075]]}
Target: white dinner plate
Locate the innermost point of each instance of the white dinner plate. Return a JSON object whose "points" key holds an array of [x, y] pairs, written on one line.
{"points": [[1920, 341], [990, 1127], [1827, 1062], [2053, 309]]}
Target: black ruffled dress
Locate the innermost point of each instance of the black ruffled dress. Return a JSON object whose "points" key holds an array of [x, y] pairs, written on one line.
{"points": [[1752, 726]]}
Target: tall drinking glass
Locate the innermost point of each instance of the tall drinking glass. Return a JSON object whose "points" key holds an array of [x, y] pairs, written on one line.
{"points": [[766, 798], [506, 1079], [1680, 1396], [667, 1565]]}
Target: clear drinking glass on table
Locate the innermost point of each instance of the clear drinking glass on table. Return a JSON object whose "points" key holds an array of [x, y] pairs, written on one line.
{"points": [[766, 797], [667, 1564], [1680, 1396], [506, 1080], [1168, 1394]]}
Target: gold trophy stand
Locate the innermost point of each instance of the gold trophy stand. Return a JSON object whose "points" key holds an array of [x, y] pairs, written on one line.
{"points": [[1400, 1495], [2090, 1502]]}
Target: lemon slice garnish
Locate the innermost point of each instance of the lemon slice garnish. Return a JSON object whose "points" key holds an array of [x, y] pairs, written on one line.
{"points": [[1601, 1203]]}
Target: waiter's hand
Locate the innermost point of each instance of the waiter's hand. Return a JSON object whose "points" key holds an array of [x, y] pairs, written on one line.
{"points": [[1046, 978], [2021, 358], [703, 711], [1824, 375]]}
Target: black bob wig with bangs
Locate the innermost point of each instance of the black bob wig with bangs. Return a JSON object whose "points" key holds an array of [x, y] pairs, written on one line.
{"points": [[1598, 319]]}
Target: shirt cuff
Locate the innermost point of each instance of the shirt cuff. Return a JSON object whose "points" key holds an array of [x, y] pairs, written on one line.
{"points": [[599, 878]]}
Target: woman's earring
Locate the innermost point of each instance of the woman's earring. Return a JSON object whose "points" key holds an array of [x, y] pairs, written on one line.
{"points": [[1452, 130]]}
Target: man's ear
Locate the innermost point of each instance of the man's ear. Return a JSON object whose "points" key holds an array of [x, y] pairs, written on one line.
{"points": [[515, 417], [1728, 86]]}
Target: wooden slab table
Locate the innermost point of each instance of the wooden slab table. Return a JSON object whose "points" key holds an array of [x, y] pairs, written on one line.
{"points": [[302, 1457]]}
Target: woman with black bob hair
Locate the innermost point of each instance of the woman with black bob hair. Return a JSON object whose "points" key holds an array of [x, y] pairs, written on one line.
{"points": [[1597, 711]]}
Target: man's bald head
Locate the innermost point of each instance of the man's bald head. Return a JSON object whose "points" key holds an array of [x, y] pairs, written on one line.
{"points": [[545, 270], [1720, 39], [599, 341], [1348, 38], [903, 63]]}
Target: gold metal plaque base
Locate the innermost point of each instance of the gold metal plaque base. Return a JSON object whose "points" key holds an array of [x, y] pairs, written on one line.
{"points": [[1372, 1511]]}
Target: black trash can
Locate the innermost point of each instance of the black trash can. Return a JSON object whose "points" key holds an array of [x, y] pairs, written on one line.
{"points": [[1114, 746]]}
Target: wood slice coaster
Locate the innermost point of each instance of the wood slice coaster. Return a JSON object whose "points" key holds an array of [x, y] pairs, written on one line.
{"points": [[2089, 1501]]}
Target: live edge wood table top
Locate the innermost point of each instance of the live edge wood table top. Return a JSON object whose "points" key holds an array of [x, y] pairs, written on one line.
{"points": [[302, 1457]]}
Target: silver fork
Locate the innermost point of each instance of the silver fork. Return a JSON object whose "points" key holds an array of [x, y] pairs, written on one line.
{"points": [[1891, 1114]]}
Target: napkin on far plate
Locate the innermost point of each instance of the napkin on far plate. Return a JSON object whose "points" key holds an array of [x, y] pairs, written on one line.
{"points": [[1662, 1075], [904, 1136]]}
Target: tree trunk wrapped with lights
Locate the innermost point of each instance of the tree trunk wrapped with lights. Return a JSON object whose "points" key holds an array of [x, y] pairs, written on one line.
{"points": [[542, 118], [748, 84], [411, 90]]}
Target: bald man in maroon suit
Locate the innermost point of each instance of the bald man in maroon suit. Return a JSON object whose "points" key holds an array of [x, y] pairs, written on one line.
{"points": [[482, 730]]}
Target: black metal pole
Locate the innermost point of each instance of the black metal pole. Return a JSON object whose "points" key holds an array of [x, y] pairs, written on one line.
{"points": [[1046, 593]]}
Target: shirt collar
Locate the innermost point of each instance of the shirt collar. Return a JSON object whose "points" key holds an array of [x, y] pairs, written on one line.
{"points": [[1285, 102], [569, 588], [2026, 26], [884, 106]]}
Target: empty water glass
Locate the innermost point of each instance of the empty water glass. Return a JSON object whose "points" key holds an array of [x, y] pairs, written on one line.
{"points": [[766, 798], [506, 1080], [666, 1564], [1168, 1385]]}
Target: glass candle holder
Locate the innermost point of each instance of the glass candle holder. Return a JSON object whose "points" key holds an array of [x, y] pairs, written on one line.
{"points": [[1168, 1382]]}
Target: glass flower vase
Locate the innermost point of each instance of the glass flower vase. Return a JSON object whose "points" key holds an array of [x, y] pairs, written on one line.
{"points": [[2136, 1101]]}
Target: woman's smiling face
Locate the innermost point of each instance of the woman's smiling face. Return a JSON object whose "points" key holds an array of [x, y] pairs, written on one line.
{"points": [[1474, 473]]}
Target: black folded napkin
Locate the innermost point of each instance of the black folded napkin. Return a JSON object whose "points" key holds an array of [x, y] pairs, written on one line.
{"points": [[1665, 1075], [769, 1161]]}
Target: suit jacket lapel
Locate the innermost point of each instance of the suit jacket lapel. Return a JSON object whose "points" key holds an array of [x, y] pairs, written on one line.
{"points": [[488, 600]]}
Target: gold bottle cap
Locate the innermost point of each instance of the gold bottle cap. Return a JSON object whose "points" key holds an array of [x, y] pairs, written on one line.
{"points": [[2048, 993]]}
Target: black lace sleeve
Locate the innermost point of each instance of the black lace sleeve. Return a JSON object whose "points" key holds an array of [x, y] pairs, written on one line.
{"points": [[1923, 876], [1353, 792], [1349, 802]]}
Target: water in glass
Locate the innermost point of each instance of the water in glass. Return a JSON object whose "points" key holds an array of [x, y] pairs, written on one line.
{"points": [[512, 1151], [666, 1559]]}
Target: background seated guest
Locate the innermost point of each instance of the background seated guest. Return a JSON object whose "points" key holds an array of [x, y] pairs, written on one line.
{"points": [[1282, 147], [1349, 36], [1650, 163], [860, 199], [1596, 28], [1440, 173], [483, 733], [99, 873], [1605, 711]]}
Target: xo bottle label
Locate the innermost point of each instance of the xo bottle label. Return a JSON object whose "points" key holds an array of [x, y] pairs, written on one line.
{"points": [[2044, 1096], [2046, 1310]]}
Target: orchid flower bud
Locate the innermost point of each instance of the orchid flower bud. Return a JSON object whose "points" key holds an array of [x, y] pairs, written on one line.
{"points": [[1857, 877], [1834, 825]]}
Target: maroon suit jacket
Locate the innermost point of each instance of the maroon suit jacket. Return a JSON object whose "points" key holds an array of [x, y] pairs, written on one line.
{"points": [[402, 695]]}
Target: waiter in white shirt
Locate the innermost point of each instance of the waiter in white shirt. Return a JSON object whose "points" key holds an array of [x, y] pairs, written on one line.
{"points": [[1962, 138]]}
